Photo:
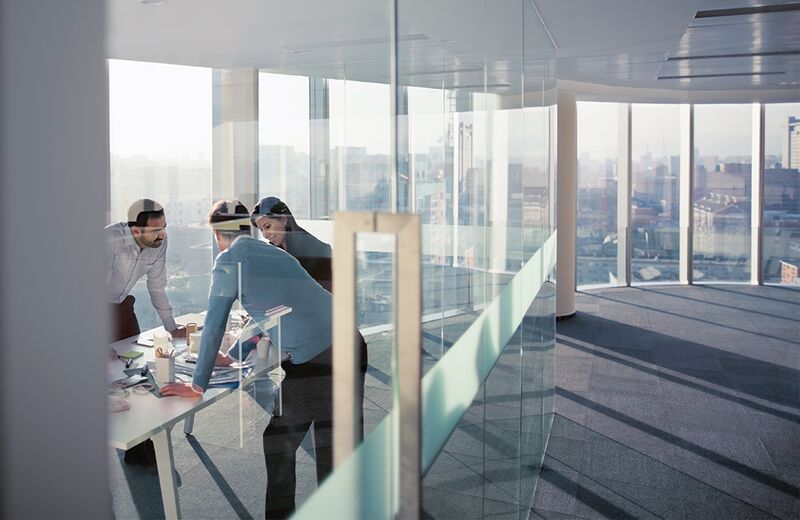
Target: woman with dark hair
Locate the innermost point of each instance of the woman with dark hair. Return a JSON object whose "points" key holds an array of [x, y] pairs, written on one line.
{"points": [[277, 224]]}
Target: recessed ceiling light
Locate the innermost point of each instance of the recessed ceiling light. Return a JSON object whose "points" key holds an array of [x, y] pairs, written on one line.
{"points": [[447, 42], [301, 52], [153, 2]]}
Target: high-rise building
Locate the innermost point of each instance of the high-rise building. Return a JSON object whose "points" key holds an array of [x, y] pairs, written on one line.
{"points": [[791, 143]]}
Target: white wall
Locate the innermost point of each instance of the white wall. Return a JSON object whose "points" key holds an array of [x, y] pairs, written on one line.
{"points": [[53, 199]]}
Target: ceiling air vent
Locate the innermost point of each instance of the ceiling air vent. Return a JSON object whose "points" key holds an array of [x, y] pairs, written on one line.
{"points": [[354, 42], [792, 52], [756, 9], [728, 75]]}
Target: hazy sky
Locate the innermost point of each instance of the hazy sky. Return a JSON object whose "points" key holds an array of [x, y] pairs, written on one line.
{"points": [[164, 111], [723, 130]]}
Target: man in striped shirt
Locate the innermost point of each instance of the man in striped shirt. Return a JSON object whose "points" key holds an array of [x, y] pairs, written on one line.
{"points": [[137, 248]]}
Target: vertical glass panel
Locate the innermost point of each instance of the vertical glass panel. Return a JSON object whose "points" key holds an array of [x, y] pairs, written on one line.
{"points": [[722, 140], [427, 188], [655, 157], [160, 141], [283, 138], [781, 234], [596, 246], [360, 143], [375, 299]]}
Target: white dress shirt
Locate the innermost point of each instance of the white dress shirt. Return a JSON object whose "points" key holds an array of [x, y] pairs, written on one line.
{"points": [[129, 263]]}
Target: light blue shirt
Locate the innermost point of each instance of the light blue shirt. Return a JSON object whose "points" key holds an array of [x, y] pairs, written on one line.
{"points": [[269, 277]]}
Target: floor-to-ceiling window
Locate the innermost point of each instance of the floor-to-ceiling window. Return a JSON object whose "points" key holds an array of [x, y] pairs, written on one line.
{"points": [[597, 232], [723, 138], [283, 141], [781, 222], [722, 188], [655, 160], [160, 133]]}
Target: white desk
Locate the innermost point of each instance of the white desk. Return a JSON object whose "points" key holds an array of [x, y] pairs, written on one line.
{"points": [[153, 418]]}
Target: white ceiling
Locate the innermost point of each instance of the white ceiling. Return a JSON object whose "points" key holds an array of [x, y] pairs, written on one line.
{"points": [[608, 44]]}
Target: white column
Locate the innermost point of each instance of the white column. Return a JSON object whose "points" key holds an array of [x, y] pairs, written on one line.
{"points": [[54, 186], [686, 193], [757, 196], [624, 195], [566, 204], [235, 135]]}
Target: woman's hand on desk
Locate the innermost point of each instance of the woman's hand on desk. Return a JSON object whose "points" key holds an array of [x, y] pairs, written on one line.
{"points": [[180, 390]]}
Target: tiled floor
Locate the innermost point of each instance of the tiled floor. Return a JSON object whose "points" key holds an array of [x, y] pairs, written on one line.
{"points": [[676, 402]]}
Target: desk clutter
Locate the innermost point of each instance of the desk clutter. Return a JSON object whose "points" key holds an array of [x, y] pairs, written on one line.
{"points": [[170, 365]]}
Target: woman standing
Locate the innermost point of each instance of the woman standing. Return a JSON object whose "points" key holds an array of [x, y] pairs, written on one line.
{"points": [[277, 224]]}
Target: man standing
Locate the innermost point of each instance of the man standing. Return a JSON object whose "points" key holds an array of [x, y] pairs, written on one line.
{"points": [[136, 248], [262, 276]]}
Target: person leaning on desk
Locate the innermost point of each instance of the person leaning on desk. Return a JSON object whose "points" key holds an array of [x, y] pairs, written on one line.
{"points": [[137, 248], [272, 277]]}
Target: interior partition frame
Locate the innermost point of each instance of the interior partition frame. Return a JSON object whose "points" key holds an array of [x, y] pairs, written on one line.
{"points": [[757, 197], [686, 199], [624, 185]]}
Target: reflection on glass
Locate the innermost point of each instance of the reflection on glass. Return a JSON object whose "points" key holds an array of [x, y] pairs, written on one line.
{"points": [[781, 235], [655, 157], [596, 246], [721, 209]]}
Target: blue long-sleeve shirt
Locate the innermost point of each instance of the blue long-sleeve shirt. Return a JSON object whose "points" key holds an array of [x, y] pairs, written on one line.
{"points": [[269, 277]]}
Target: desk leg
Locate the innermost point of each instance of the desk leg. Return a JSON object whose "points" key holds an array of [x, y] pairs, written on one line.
{"points": [[166, 474], [188, 424], [279, 398]]}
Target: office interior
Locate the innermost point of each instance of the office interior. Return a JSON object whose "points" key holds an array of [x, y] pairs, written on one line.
{"points": [[608, 202]]}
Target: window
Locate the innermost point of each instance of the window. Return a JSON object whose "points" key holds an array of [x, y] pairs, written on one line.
{"points": [[596, 246], [781, 226], [160, 132], [283, 139], [655, 160], [722, 192]]}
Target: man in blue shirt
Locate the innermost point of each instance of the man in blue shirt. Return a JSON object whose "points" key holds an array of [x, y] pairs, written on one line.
{"points": [[271, 277]]}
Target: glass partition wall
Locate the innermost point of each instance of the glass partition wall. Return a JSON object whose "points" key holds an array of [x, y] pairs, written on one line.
{"points": [[739, 234], [453, 122]]}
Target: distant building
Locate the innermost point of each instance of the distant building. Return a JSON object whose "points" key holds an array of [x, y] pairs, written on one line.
{"points": [[791, 143], [722, 225]]}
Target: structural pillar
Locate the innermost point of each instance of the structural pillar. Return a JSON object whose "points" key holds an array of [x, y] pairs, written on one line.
{"points": [[235, 135], [566, 203]]}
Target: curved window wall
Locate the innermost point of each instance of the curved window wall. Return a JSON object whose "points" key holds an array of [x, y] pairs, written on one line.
{"points": [[742, 163]]}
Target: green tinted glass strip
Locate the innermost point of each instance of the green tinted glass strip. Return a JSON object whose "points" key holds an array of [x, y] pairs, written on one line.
{"points": [[362, 486]]}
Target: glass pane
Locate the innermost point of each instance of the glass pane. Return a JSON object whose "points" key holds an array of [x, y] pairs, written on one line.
{"points": [[723, 142], [655, 156], [360, 144], [782, 194], [596, 246], [160, 131], [283, 138]]}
